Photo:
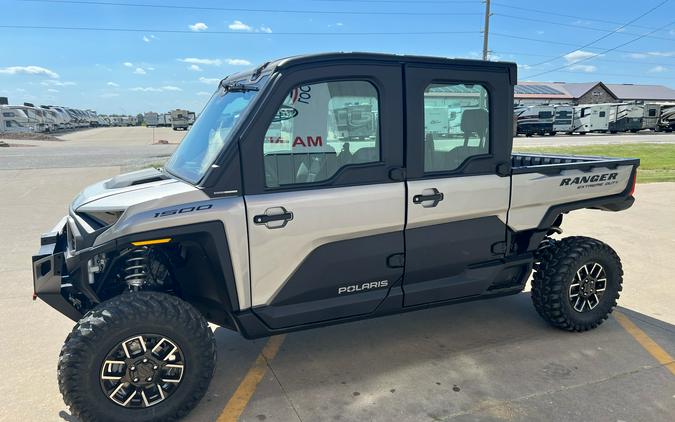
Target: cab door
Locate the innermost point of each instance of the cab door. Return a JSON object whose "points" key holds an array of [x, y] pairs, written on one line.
{"points": [[458, 180], [324, 217]]}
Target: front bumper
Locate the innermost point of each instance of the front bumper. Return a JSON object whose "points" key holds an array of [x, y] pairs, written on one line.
{"points": [[50, 271]]}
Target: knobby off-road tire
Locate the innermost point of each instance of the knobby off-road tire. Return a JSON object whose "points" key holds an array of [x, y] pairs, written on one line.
{"points": [[112, 323], [560, 266]]}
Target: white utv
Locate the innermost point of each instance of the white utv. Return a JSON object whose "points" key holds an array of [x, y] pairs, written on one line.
{"points": [[308, 193]]}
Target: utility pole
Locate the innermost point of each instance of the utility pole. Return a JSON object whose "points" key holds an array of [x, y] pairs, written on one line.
{"points": [[486, 30]]}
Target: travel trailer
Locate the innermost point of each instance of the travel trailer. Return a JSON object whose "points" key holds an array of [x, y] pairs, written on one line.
{"points": [[652, 114], [179, 119], [151, 119], [563, 119], [535, 120], [625, 118], [591, 118], [667, 118]]}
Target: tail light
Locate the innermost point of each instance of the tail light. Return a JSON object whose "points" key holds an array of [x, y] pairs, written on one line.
{"points": [[632, 189]]}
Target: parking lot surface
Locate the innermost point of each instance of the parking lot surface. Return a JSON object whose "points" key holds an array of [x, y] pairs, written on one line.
{"points": [[492, 360]]}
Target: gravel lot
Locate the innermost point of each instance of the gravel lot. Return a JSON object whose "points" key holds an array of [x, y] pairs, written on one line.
{"points": [[488, 361]]}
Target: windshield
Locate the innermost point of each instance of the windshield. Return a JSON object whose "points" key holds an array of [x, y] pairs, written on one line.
{"points": [[209, 134]]}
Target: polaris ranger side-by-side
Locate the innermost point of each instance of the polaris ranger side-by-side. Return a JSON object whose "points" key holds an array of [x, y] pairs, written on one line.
{"points": [[309, 193]]}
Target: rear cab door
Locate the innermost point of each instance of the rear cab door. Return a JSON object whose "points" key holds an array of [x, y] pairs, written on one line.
{"points": [[324, 216], [458, 179]]}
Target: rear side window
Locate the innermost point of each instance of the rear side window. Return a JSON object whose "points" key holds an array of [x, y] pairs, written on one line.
{"points": [[545, 115], [456, 125], [319, 129]]}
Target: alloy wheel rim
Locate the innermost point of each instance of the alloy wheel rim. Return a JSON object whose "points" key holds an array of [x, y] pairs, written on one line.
{"points": [[142, 371], [588, 287]]}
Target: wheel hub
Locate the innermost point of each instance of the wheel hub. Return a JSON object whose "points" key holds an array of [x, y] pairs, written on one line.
{"points": [[142, 371], [587, 287]]}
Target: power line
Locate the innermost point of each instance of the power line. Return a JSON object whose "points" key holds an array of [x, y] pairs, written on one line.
{"points": [[550, 13], [250, 10], [185, 31], [400, 1], [603, 52], [569, 25], [519, 37], [608, 34], [520, 53]]}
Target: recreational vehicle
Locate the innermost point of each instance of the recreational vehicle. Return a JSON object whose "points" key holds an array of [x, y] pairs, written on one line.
{"points": [[150, 119], [591, 118], [625, 118], [563, 119], [179, 119], [14, 119], [535, 120], [667, 118]]}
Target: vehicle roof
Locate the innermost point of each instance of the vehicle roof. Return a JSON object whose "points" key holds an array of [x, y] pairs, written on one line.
{"points": [[379, 57]]}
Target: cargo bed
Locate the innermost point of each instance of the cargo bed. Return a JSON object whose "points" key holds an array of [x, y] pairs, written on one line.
{"points": [[555, 163]]}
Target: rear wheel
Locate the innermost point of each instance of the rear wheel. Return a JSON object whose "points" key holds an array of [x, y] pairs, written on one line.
{"points": [[142, 356], [576, 283]]}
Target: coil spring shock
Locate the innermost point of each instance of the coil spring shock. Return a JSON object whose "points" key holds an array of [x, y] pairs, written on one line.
{"points": [[136, 268]]}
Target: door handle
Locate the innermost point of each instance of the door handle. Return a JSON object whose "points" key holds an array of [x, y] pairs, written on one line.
{"points": [[274, 218], [429, 198]]}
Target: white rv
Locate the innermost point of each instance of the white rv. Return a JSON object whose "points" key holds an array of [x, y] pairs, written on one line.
{"points": [[14, 120], [179, 119], [652, 113], [591, 118], [151, 119], [625, 117], [667, 118]]}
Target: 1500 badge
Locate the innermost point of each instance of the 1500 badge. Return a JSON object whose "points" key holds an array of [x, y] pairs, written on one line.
{"points": [[183, 210]]}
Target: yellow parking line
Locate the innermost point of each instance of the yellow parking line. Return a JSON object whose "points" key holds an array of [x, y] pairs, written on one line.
{"points": [[239, 400], [646, 342]]}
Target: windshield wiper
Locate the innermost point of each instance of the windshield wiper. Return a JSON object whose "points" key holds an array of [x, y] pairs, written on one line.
{"points": [[238, 87]]}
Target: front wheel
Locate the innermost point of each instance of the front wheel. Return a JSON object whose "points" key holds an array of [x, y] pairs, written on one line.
{"points": [[142, 356], [576, 283]]}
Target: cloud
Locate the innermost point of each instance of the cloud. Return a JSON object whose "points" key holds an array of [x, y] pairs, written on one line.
{"points": [[110, 95], [113, 84], [524, 66], [204, 94], [155, 89], [140, 71], [128, 64], [584, 68], [209, 81], [658, 69], [199, 26], [195, 60], [578, 55], [239, 26], [29, 70], [266, 29], [652, 54], [195, 68], [146, 39], [52, 90], [238, 62], [51, 82]]}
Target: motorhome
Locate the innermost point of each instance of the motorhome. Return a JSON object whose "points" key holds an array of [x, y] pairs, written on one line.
{"points": [[66, 121], [591, 118], [151, 119], [179, 119], [535, 120], [563, 119], [625, 118], [14, 119]]}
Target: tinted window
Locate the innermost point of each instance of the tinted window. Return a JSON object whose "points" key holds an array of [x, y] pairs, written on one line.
{"points": [[456, 125], [652, 112], [545, 115], [319, 129], [601, 114]]}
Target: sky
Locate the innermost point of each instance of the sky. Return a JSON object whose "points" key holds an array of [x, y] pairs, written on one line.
{"points": [[114, 57]]}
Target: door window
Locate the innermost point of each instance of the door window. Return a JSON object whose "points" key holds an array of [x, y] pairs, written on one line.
{"points": [[456, 125], [319, 129]]}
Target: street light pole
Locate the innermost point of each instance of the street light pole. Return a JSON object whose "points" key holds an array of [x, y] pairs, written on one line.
{"points": [[486, 30]]}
